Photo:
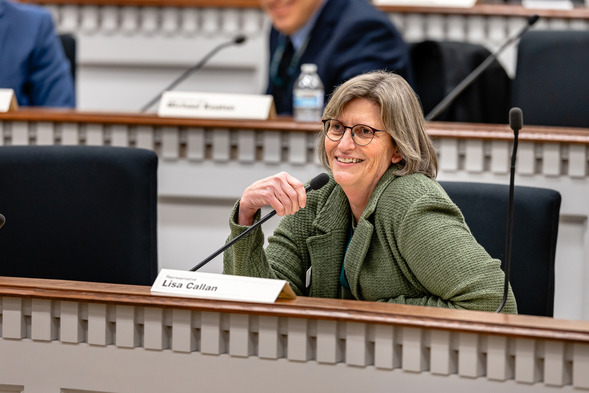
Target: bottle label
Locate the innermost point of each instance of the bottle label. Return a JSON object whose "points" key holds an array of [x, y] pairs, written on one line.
{"points": [[308, 100]]}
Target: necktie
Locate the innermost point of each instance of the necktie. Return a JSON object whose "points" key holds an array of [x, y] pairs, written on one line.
{"points": [[284, 65]]}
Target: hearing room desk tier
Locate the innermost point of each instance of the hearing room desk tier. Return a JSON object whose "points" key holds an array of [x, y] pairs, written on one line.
{"points": [[435, 129], [205, 165], [478, 9], [56, 331]]}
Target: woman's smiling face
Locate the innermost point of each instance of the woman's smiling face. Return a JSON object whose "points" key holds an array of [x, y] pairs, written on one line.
{"points": [[358, 168]]}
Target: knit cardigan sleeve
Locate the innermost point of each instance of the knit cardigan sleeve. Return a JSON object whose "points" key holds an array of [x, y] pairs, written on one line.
{"points": [[411, 246], [439, 256], [247, 257]]}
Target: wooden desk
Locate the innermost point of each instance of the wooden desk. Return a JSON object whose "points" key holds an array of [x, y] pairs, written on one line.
{"points": [[205, 165], [77, 336], [54, 120]]}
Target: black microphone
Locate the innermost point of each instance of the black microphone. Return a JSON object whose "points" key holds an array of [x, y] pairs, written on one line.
{"points": [[240, 39], [2, 220], [316, 183], [470, 78], [516, 122]]}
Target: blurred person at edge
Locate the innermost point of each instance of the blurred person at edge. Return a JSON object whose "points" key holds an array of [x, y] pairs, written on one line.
{"points": [[32, 59], [343, 38]]}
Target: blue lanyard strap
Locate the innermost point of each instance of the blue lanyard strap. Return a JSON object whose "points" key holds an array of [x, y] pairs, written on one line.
{"points": [[342, 277]]}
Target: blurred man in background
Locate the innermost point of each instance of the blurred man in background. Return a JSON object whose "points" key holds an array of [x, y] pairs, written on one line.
{"points": [[32, 60], [344, 38]]}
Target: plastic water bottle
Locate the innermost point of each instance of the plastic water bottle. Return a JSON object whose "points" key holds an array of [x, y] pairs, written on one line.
{"points": [[308, 95]]}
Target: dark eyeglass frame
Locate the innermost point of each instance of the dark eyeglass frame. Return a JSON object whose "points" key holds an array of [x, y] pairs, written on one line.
{"points": [[326, 131]]}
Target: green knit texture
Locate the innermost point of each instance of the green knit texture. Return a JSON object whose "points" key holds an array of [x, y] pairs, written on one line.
{"points": [[410, 246]]}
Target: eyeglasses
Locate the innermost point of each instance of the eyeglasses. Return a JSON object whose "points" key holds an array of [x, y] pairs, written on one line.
{"points": [[361, 134]]}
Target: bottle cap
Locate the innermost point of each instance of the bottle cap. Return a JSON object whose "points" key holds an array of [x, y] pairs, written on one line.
{"points": [[309, 67]]}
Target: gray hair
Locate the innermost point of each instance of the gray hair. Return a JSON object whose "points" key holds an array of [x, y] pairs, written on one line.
{"points": [[401, 115]]}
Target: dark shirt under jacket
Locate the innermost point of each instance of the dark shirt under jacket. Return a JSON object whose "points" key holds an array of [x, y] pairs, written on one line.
{"points": [[350, 37]]}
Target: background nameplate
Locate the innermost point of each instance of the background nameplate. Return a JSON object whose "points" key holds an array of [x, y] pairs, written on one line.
{"points": [[7, 101], [216, 105], [428, 3]]}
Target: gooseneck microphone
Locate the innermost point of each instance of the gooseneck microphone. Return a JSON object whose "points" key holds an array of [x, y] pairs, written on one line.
{"points": [[316, 183], [240, 39], [516, 123], [470, 78]]}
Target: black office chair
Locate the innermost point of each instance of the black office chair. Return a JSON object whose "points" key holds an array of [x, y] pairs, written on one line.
{"points": [[86, 213], [551, 83], [68, 41], [535, 230], [439, 66]]}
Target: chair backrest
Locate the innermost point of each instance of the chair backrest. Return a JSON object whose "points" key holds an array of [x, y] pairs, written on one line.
{"points": [[551, 83], [68, 41], [439, 66], [535, 230], [86, 213]]}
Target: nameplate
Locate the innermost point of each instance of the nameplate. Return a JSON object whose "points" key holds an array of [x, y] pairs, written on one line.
{"points": [[7, 101], [216, 105], [220, 287], [428, 3], [548, 4]]}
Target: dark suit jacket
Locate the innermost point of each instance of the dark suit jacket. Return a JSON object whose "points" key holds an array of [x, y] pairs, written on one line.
{"points": [[32, 61], [350, 37]]}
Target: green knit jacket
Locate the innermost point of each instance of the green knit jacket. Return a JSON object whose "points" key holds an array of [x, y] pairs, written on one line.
{"points": [[410, 246]]}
